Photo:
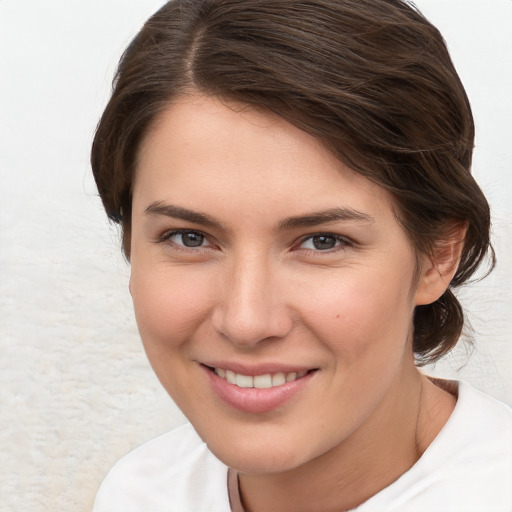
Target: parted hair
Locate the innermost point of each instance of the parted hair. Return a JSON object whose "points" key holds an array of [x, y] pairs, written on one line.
{"points": [[371, 79]]}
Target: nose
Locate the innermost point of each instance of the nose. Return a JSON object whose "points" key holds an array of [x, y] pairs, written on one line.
{"points": [[251, 305]]}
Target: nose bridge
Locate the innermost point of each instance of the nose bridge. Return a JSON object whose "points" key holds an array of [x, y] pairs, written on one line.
{"points": [[249, 308]]}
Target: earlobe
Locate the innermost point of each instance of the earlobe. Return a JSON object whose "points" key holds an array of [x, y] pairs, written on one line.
{"points": [[437, 270]]}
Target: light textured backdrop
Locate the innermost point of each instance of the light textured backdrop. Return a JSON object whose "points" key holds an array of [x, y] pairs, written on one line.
{"points": [[76, 391]]}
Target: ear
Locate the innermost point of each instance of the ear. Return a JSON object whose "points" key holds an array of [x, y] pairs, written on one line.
{"points": [[130, 285], [437, 269]]}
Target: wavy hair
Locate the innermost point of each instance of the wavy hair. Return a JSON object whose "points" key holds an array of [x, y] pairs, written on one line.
{"points": [[371, 79]]}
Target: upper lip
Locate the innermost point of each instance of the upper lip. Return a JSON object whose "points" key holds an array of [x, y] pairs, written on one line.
{"points": [[257, 369]]}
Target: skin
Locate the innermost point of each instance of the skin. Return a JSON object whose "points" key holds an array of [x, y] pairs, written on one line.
{"points": [[258, 290]]}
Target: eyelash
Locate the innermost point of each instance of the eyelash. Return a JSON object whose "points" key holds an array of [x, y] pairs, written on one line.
{"points": [[166, 238], [341, 242]]}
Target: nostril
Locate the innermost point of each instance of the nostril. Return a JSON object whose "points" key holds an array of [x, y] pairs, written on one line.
{"points": [[247, 327]]}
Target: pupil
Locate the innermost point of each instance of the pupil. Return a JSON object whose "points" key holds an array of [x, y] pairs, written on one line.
{"points": [[192, 239], [323, 242]]}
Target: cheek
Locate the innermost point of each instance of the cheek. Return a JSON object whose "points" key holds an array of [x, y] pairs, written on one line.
{"points": [[169, 305], [361, 312]]}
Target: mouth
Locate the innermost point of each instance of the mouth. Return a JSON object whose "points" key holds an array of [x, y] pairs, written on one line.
{"points": [[259, 392], [265, 381]]}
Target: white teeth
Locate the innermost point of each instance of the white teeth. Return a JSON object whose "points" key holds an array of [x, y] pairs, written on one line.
{"points": [[230, 377], [259, 381], [263, 381], [244, 381], [291, 376], [278, 379]]}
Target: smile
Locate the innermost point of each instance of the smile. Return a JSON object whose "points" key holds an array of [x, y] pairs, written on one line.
{"points": [[265, 381], [260, 392]]}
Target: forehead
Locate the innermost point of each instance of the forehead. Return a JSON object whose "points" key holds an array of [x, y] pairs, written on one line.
{"points": [[217, 151]]}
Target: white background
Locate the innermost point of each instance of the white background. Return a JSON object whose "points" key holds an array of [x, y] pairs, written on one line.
{"points": [[76, 391]]}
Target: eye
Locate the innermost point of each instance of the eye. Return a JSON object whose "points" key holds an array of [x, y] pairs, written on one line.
{"points": [[186, 238], [323, 242]]}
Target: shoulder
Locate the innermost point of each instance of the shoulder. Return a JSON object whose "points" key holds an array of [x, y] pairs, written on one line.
{"points": [[467, 468], [477, 439], [469, 465], [175, 471], [482, 421]]}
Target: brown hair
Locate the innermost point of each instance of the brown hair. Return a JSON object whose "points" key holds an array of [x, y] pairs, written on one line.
{"points": [[372, 79]]}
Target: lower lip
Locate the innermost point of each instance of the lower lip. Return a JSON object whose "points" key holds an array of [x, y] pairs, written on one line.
{"points": [[255, 400]]}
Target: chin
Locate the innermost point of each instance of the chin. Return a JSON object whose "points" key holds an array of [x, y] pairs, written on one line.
{"points": [[260, 458]]}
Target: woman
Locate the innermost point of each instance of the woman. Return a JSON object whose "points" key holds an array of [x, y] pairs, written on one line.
{"points": [[292, 180]]}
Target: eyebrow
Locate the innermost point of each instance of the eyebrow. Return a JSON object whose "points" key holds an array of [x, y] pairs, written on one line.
{"points": [[308, 220], [323, 217], [177, 212]]}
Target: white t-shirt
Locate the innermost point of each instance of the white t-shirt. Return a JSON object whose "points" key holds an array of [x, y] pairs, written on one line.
{"points": [[467, 468]]}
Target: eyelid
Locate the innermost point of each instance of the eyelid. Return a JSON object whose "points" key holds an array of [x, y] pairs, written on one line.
{"points": [[167, 235], [345, 242], [342, 241]]}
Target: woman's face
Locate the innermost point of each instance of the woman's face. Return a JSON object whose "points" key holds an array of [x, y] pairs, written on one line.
{"points": [[273, 287]]}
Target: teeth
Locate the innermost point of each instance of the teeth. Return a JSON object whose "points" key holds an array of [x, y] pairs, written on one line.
{"points": [[291, 376], [230, 376], [278, 379], [259, 381], [244, 381], [263, 381]]}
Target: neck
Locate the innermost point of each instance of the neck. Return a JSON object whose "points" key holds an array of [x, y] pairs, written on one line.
{"points": [[381, 450]]}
